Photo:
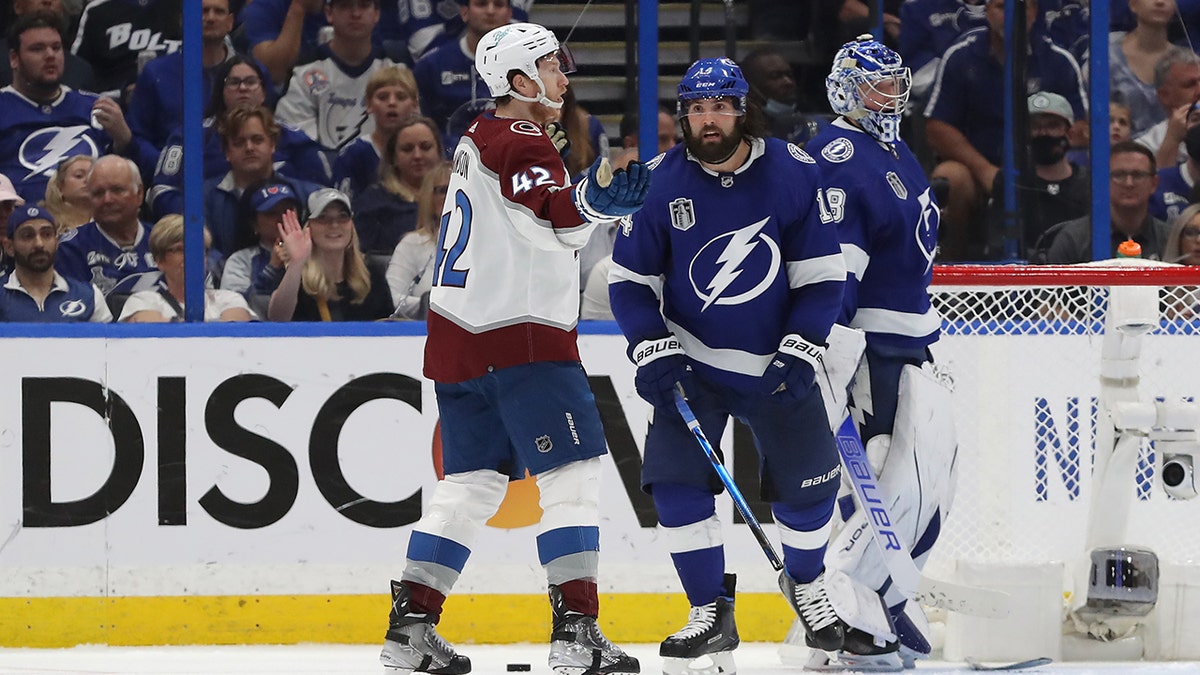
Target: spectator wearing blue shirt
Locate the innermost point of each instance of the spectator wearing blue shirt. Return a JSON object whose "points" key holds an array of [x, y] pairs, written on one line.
{"points": [[929, 28], [965, 125], [1177, 182], [279, 31], [446, 75], [1177, 85], [34, 291], [115, 244], [156, 108], [249, 136], [255, 271]]}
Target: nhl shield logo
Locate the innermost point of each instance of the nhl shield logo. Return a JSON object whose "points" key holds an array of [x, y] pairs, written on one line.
{"points": [[683, 215], [897, 185], [544, 444]]}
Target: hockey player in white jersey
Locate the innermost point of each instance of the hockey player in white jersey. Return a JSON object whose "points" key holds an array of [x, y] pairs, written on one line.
{"points": [[727, 282], [511, 392], [880, 200]]}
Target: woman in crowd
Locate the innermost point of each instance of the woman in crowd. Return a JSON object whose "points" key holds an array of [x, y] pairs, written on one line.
{"points": [[1183, 244], [388, 209], [410, 271], [67, 196], [165, 302], [327, 278]]}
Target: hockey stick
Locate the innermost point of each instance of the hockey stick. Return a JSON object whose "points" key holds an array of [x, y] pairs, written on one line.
{"points": [[739, 501], [1019, 665], [908, 579]]}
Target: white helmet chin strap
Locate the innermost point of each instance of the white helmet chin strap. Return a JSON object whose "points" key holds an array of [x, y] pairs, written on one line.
{"points": [[554, 105]]}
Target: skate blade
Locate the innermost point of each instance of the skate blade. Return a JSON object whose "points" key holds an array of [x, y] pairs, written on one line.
{"points": [[823, 662], [1019, 665], [719, 663]]}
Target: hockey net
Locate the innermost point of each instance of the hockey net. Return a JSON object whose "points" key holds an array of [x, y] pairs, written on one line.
{"points": [[1024, 347]]}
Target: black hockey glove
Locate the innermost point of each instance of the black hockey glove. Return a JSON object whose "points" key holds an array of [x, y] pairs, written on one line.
{"points": [[791, 370], [607, 195], [558, 136], [661, 363]]}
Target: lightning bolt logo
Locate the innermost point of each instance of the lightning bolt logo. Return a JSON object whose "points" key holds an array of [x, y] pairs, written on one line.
{"points": [[40, 157], [927, 227], [741, 243], [860, 394]]}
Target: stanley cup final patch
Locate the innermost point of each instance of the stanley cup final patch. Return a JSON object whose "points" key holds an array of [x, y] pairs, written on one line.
{"points": [[897, 185], [683, 215]]}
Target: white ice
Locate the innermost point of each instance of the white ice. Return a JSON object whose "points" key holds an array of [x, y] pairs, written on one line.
{"points": [[752, 659]]}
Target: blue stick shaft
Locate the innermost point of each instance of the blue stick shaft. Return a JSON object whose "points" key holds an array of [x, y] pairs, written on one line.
{"points": [[739, 501]]}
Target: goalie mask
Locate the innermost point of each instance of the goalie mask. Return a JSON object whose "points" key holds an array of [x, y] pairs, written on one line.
{"points": [[519, 46], [870, 85]]}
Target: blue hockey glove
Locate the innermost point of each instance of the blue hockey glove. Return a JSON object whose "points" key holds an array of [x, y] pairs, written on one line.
{"points": [[661, 363], [607, 195], [792, 369], [558, 136]]}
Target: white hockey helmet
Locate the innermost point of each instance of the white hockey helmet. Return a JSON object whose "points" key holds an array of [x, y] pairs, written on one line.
{"points": [[518, 46], [860, 68]]}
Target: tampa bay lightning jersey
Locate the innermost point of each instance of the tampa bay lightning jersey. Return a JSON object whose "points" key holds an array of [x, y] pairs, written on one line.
{"points": [[888, 221], [739, 260], [1174, 192], [86, 253], [35, 138], [69, 301]]}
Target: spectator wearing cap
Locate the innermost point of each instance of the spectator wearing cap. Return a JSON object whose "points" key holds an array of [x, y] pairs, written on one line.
{"points": [[255, 271], [34, 291], [9, 200], [1177, 84], [1057, 189], [1177, 183], [165, 302], [327, 278], [114, 245], [1132, 182]]}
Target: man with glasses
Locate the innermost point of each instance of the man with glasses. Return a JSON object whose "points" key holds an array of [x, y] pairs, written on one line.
{"points": [[1133, 181]]}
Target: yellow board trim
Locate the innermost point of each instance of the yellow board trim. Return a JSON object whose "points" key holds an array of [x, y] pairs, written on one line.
{"points": [[346, 619]]}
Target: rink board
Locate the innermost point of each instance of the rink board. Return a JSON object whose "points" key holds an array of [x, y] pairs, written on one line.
{"points": [[215, 490]]}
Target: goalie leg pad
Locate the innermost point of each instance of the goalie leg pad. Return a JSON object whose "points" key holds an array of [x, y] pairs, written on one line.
{"points": [[841, 359], [916, 473], [859, 606]]}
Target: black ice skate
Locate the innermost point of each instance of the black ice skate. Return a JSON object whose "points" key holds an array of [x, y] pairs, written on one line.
{"points": [[822, 628], [705, 645], [413, 645], [577, 647]]}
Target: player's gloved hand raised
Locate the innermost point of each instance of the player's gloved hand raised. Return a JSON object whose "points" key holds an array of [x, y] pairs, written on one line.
{"points": [[558, 136], [608, 195], [661, 363], [791, 371]]}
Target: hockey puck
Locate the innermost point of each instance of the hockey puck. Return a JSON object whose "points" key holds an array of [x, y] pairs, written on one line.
{"points": [[519, 668]]}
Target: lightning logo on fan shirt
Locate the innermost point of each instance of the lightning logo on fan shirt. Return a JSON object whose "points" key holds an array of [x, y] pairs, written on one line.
{"points": [[741, 245], [41, 155]]}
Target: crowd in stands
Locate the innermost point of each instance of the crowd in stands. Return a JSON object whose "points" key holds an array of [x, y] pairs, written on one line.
{"points": [[328, 124]]}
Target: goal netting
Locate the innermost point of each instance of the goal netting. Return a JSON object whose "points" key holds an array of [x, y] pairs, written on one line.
{"points": [[1024, 345]]}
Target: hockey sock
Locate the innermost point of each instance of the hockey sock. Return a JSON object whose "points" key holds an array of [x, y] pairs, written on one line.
{"points": [[425, 600], [688, 522], [804, 530], [579, 595]]}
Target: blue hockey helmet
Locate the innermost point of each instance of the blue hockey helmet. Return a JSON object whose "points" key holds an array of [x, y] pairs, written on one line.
{"points": [[869, 84], [713, 78]]}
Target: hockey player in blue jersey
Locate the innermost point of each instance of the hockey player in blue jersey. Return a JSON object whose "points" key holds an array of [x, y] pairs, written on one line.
{"points": [[727, 282], [880, 201]]}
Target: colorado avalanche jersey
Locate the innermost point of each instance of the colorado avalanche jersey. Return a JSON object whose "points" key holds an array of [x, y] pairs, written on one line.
{"points": [[506, 278], [35, 138], [69, 301], [86, 253], [738, 259], [888, 221], [113, 32], [325, 99]]}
